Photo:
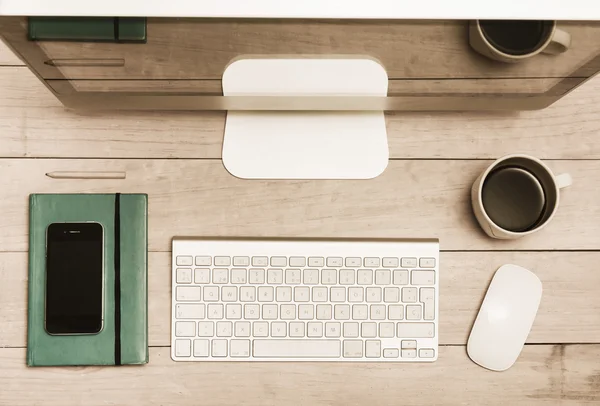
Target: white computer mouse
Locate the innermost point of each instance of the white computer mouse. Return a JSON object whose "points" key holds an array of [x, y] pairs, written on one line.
{"points": [[505, 318]]}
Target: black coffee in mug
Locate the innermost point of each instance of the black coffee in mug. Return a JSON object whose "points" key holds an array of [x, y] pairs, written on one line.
{"points": [[516, 37], [514, 198]]}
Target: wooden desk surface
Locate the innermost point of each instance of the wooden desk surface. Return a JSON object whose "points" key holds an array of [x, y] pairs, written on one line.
{"points": [[175, 158]]}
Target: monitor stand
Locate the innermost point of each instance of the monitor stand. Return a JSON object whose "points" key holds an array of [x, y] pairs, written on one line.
{"points": [[305, 144]]}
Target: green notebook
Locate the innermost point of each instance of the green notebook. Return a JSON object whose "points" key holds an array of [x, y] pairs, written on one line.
{"points": [[124, 337]]}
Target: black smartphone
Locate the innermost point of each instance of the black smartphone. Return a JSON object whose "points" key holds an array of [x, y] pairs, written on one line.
{"points": [[74, 278]]}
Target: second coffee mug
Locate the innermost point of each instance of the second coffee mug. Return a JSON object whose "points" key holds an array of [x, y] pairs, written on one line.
{"points": [[516, 196], [515, 40]]}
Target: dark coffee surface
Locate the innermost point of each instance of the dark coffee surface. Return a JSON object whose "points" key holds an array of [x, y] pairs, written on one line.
{"points": [[516, 37], [513, 198]]}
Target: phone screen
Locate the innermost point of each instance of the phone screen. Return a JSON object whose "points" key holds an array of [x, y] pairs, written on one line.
{"points": [[74, 278]]}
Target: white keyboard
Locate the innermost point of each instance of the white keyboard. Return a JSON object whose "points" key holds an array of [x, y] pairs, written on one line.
{"points": [[305, 300]]}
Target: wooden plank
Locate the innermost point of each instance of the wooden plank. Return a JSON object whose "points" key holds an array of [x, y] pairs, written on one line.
{"points": [[543, 375], [410, 199], [7, 57], [569, 311], [33, 124], [201, 49]]}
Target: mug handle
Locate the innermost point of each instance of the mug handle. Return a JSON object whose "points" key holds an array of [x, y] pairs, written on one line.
{"points": [[560, 42], [563, 180]]}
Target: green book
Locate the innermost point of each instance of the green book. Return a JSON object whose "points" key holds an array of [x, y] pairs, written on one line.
{"points": [[124, 336]]}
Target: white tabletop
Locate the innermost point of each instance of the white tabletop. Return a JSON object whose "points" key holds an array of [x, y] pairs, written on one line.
{"points": [[364, 9]]}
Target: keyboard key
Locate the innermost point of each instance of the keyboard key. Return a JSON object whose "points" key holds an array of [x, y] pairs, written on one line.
{"points": [[427, 297], [275, 276], [229, 294], [390, 262], [278, 261], [338, 294], [292, 276], [238, 276], [220, 275], [423, 277], [360, 312], [409, 262], [211, 293], [329, 276], [386, 330], [302, 294], [347, 276], [270, 311], [416, 330], [242, 329], [206, 328], [316, 261], [353, 262], [314, 329], [247, 294], [219, 348], [185, 329], [239, 348], [278, 329], [222, 261], [391, 295], [201, 348], [365, 276], [427, 263], [383, 277], [409, 353], [241, 261], [408, 344], [324, 312], [353, 349], [368, 330], [189, 311], [202, 275], [284, 293], [390, 353], [396, 312], [373, 349], [409, 295], [356, 294], [187, 293], [378, 312], [297, 261], [306, 312], [260, 261], [373, 294], [233, 311], [371, 262], [341, 312], [413, 312], [265, 294], [224, 329], [288, 312], [319, 294], [333, 329], [203, 261], [184, 275], [260, 329], [335, 262], [215, 311], [426, 353], [256, 276], [400, 277], [296, 329], [184, 260], [183, 348], [296, 348], [252, 311], [351, 330], [310, 276]]}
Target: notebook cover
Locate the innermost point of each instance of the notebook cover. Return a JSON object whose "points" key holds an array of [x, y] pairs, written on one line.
{"points": [[118, 343]]}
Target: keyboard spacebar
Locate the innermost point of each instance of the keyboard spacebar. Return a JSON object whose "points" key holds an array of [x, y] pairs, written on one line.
{"points": [[297, 349]]}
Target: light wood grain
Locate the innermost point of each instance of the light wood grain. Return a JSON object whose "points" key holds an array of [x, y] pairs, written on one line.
{"points": [[34, 124], [543, 375], [569, 311], [410, 199], [7, 57]]}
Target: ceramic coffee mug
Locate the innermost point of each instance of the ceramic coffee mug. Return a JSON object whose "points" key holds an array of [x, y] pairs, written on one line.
{"points": [[515, 40], [516, 196]]}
